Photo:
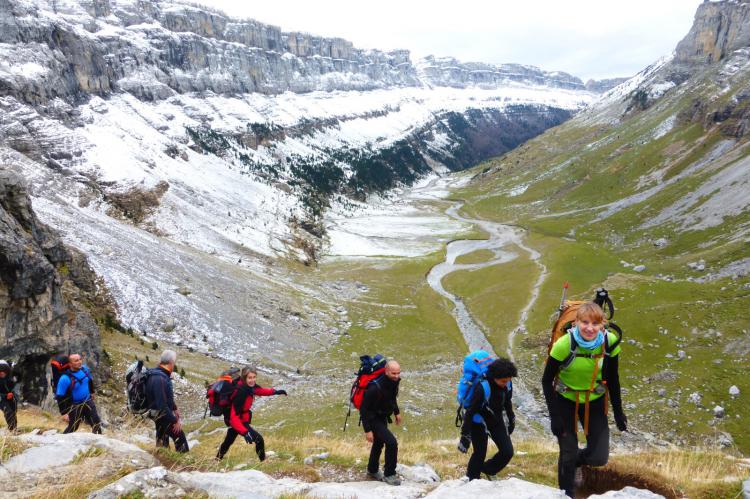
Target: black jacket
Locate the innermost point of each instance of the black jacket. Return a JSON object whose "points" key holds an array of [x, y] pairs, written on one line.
{"points": [[379, 401], [7, 384], [160, 395], [491, 410]]}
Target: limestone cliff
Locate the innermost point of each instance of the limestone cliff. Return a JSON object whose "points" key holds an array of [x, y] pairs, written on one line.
{"points": [[155, 50], [44, 290], [719, 29]]}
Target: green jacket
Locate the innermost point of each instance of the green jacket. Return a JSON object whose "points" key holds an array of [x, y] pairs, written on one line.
{"points": [[577, 376]]}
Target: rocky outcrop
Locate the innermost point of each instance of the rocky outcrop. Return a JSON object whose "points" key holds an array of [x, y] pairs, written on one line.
{"points": [[45, 289], [719, 29]]}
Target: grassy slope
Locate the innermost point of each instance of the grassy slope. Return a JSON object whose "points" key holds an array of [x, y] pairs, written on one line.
{"points": [[589, 254]]}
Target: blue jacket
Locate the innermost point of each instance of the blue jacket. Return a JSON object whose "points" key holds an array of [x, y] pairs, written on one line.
{"points": [[82, 385], [160, 395]]}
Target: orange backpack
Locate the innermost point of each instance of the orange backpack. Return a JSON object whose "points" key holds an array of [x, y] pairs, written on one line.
{"points": [[567, 316]]}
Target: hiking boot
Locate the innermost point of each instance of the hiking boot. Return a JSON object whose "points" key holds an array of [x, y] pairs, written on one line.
{"points": [[378, 475], [392, 480]]}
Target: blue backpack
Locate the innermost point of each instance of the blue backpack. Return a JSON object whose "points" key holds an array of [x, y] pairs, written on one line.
{"points": [[473, 374]]}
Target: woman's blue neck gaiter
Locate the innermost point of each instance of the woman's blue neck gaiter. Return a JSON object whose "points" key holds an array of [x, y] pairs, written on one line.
{"points": [[588, 345]]}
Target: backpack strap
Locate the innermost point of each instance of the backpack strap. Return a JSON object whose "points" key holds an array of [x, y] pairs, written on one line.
{"points": [[573, 352]]}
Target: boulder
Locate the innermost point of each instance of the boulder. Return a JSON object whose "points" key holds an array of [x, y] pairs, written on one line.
{"points": [[418, 473], [152, 482], [511, 487], [628, 493]]}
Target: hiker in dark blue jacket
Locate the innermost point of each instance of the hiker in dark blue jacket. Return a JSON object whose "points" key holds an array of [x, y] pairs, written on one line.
{"points": [[162, 408], [490, 407], [74, 396]]}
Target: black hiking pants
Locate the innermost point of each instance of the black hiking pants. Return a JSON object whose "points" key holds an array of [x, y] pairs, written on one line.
{"points": [[9, 411], [596, 452], [165, 430], [84, 412], [502, 457], [232, 436], [382, 436]]}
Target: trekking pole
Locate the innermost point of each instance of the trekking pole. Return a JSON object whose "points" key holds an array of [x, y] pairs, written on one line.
{"points": [[205, 412], [346, 420], [564, 296]]}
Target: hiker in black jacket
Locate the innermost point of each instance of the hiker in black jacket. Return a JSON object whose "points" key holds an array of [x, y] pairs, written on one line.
{"points": [[8, 402], [490, 408], [162, 408], [378, 403]]}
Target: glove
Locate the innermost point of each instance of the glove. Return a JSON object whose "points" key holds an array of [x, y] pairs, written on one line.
{"points": [[621, 421], [279, 392], [248, 438], [511, 424], [463, 444], [556, 425], [9, 396]]}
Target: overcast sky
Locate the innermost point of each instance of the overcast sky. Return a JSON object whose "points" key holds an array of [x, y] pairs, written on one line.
{"points": [[587, 38]]}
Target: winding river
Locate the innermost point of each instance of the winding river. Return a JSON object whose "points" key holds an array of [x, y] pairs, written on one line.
{"points": [[501, 238]]}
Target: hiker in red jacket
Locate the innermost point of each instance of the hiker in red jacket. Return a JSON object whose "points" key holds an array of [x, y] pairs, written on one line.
{"points": [[241, 414]]}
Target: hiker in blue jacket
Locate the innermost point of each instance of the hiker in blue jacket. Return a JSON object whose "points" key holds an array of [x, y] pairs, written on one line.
{"points": [[162, 408], [75, 392]]}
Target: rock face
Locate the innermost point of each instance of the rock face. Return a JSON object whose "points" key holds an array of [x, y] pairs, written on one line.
{"points": [[43, 286], [719, 29], [449, 72], [158, 49]]}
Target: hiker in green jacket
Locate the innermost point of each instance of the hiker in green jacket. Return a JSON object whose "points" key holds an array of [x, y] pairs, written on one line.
{"points": [[581, 374]]}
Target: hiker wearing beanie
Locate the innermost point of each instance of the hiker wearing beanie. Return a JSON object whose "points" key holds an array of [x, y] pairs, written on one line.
{"points": [[378, 403], [241, 413], [8, 403], [490, 407], [75, 396], [162, 408], [581, 374]]}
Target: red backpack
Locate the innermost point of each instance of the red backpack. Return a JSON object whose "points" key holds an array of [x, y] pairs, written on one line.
{"points": [[59, 365], [221, 392], [370, 368]]}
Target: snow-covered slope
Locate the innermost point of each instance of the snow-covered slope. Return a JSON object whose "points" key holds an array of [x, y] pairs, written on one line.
{"points": [[215, 147]]}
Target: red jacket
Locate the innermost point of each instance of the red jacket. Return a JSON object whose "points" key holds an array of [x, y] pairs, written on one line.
{"points": [[241, 415]]}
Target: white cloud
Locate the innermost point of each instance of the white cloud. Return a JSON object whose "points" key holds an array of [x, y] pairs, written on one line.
{"points": [[588, 38]]}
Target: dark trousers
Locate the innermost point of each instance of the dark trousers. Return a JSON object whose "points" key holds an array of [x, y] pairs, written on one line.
{"points": [[502, 457], [84, 412], [165, 431], [232, 435], [596, 452], [382, 436], [9, 411]]}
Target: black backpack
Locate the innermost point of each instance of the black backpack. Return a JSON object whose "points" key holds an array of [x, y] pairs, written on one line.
{"points": [[135, 378]]}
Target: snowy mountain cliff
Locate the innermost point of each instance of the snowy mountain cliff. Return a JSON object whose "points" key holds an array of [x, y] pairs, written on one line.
{"points": [[203, 140]]}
